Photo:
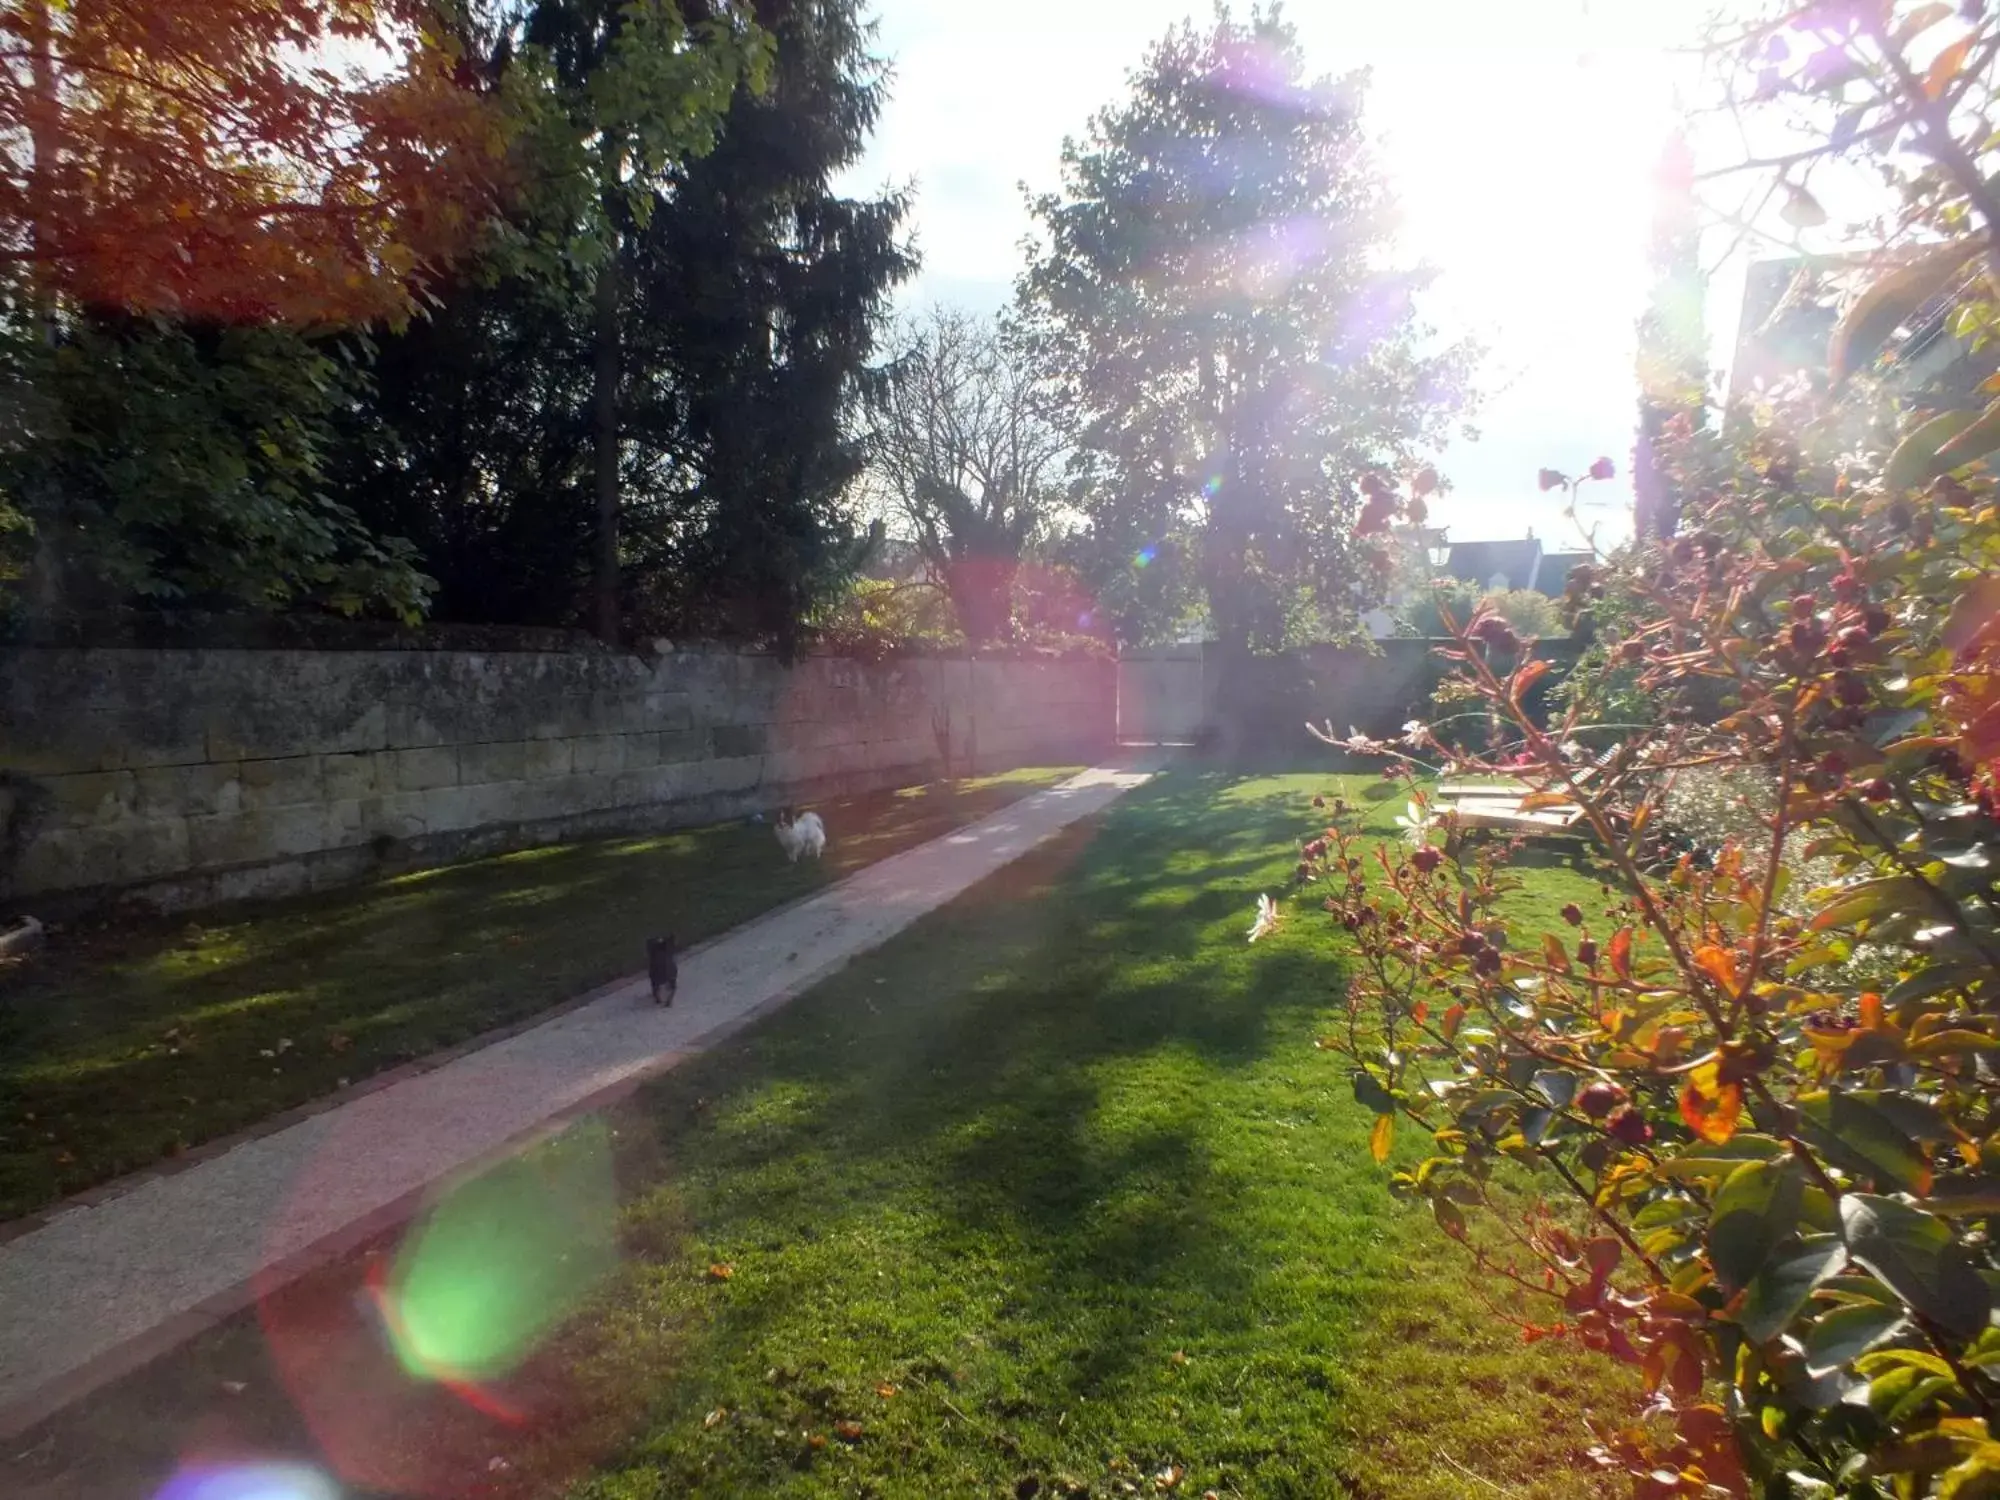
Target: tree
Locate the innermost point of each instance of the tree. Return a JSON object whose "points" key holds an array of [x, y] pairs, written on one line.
{"points": [[619, 93], [1211, 280], [470, 435], [751, 293], [759, 291], [1757, 1102], [179, 197], [180, 159], [179, 466], [968, 442]]}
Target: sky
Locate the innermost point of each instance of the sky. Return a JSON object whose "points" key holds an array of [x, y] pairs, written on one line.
{"points": [[1520, 134]]}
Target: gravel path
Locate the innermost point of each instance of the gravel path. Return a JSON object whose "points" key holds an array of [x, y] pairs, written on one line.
{"points": [[99, 1290]]}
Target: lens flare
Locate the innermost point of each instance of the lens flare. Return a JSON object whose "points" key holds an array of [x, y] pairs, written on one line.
{"points": [[501, 1260], [256, 1481], [1145, 556]]}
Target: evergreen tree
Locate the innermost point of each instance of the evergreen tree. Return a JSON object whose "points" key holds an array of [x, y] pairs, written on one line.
{"points": [[759, 295], [749, 296]]}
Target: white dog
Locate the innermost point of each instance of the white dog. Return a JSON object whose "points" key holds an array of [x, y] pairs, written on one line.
{"points": [[802, 835]]}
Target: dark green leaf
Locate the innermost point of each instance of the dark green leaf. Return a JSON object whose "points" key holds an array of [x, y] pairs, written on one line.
{"points": [[1917, 459], [1556, 1087], [1843, 1333], [1756, 1207], [1858, 1138], [1777, 1292], [1964, 1199], [1369, 1093], [1936, 979], [1703, 1159], [1915, 1255]]}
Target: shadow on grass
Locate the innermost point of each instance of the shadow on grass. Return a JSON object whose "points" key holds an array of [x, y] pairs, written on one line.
{"points": [[141, 1037], [1053, 1184]]}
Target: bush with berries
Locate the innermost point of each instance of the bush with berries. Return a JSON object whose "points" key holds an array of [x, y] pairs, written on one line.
{"points": [[1737, 1122], [1771, 1190]]}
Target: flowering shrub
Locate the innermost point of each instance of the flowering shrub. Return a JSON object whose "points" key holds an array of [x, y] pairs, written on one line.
{"points": [[1769, 1189], [1755, 1088]]}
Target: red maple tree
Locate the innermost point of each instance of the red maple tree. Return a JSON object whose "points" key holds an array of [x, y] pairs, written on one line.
{"points": [[237, 159]]}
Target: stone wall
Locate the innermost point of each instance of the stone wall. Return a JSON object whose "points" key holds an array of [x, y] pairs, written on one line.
{"points": [[186, 777]]}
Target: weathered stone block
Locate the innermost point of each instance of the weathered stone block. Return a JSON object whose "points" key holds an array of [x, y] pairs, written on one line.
{"points": [[547, 758], [93, 797], [289, 782], [183, 791], [420, 770], [66, 859], [351, 776], [599, 752], [270, 833], [732, 740], [681, 746], [502, 760]]}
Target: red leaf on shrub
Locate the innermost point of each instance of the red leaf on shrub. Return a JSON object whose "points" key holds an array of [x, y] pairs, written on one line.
{"points": [[1719, 964], [1712, 1113], [1871, 1011], [1552, 951], [1420, 1011], [1531, 673], [1621, 953], [1449, 1025]]}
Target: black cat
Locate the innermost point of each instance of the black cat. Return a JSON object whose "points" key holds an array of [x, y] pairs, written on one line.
{"points": [[662, 969]]}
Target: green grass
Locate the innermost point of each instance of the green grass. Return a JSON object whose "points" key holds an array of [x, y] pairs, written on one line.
{"points": [[1052, 1194], [131, 1041]]}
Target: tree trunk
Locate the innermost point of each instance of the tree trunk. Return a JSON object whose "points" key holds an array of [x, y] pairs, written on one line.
{"points": [[604, 409], [45, 170]]}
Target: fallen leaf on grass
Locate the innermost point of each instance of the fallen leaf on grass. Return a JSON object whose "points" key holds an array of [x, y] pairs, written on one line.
{"points": [[721, 1271], [847, 1432], [712, 1418], [1169, 1477], [885, 1390]]}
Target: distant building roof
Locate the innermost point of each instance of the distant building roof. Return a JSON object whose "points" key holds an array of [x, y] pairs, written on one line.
{"points": [[1552, 577], [1499, 565]]}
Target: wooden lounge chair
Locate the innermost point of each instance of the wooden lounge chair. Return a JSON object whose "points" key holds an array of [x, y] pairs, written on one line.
{"points": [[1500, 802]]}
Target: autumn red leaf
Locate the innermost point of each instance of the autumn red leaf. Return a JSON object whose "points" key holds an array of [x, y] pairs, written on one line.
{"points": [[1719, 964], [1711, 1113], [1621, 953], [184, 162], [1450, 1023]]}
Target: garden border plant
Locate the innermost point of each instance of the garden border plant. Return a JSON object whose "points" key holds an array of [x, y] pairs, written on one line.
{"points": [[1773, 1187]]}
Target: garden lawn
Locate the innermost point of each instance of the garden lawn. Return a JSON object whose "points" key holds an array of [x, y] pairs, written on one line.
{"points": [[130, 1041], [1051, 1195]]}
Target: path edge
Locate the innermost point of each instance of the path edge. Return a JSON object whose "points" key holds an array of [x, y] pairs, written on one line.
{"points": [[134, 1354]]}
